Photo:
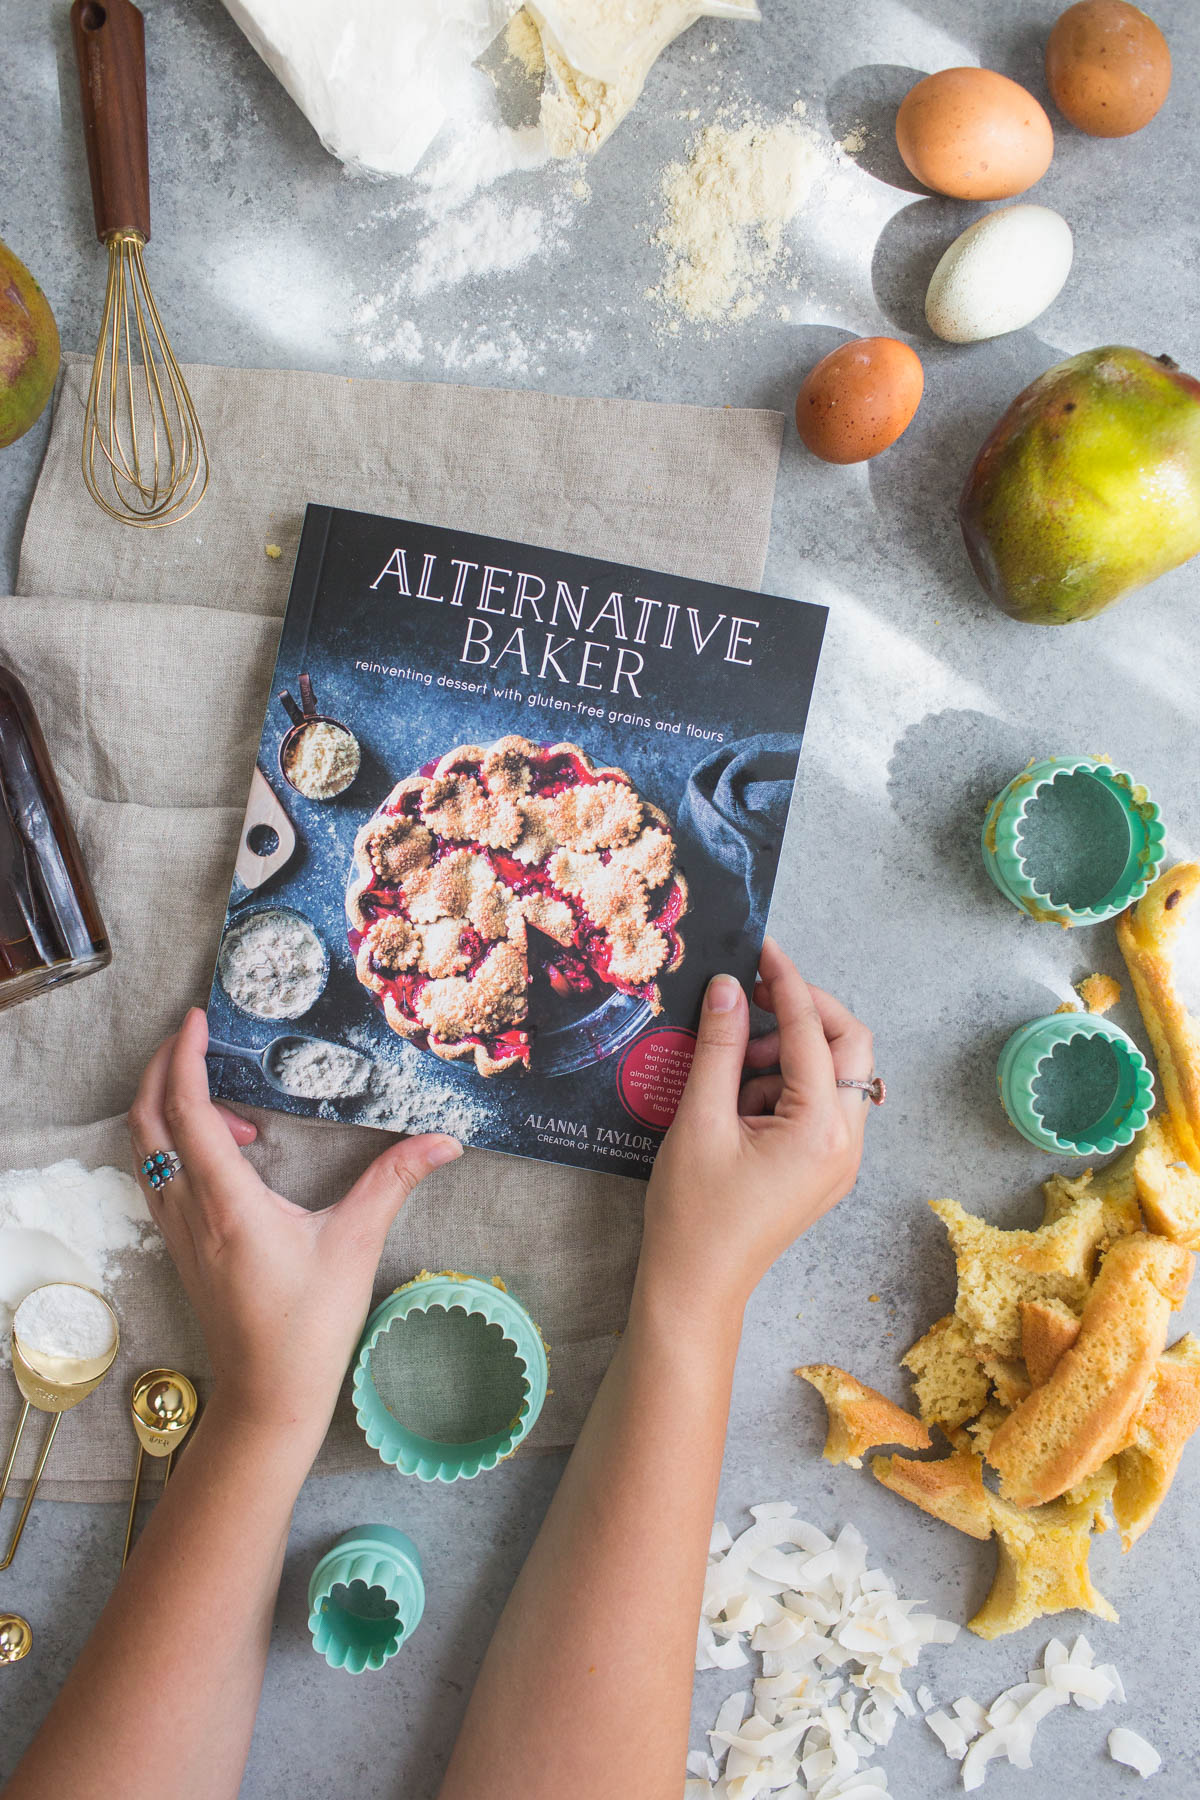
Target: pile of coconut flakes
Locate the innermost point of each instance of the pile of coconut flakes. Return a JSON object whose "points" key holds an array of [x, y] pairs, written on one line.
{"points": [[835, 1640]]}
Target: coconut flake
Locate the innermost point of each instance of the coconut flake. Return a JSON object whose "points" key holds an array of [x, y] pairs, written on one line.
{"points": [[1118, 1685], [1125, 1746], [720, 1539], [984, 1750], [1076, 1679], [973, 1716], [949, 1733]]}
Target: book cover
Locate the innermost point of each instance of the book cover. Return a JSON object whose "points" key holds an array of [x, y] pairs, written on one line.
{"points": [[512, 809]]}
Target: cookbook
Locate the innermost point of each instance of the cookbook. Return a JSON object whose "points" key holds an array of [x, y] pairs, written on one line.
{"points": [[512, 809]]}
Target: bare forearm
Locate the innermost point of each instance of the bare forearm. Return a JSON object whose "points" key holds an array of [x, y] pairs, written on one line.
{"points": [[162, 1700], [597, 1643]]}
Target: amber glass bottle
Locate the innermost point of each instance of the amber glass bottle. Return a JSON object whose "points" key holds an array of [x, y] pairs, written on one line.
{"points": [[50, 926]]}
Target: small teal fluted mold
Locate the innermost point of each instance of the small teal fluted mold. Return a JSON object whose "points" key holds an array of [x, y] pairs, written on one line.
{"points": [[1021, 1062], [365, 1598], [1137, 821], [424, 1457]]}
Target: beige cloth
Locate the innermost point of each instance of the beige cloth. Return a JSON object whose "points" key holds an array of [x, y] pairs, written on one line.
{"points": [[148, 656]]}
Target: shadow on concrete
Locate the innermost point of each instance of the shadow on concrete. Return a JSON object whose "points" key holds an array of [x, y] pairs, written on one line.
{"points": [[863, 105], [906, 253]]}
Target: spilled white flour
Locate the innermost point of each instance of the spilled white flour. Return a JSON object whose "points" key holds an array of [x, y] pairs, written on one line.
{"points": [[67, 1223], [487, 238]]}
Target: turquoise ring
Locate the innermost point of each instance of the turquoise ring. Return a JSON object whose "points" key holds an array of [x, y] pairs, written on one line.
{"points": [[160, 1167]]}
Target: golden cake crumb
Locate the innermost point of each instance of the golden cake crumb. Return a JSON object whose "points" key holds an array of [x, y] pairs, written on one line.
{"points": [[1099, 993]]}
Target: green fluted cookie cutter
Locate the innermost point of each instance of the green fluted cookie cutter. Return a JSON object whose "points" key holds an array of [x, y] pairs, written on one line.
{"points": [[427, 1458], [1021, 1062], [1136, 834], [365, 1598]]}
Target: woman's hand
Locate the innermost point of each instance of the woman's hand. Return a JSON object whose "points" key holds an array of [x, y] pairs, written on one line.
{"points": [[745, 1169], [281, 1293]]}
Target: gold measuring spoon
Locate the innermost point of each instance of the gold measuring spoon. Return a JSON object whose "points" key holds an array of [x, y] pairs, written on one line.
{"points": [[163, 1405], [16, 1639], [52, 1384]]}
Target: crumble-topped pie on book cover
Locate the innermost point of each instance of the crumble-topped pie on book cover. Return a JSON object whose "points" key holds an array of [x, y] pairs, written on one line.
{"points": [[512, 809]]}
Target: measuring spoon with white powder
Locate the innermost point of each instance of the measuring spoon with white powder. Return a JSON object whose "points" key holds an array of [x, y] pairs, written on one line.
{"points": [[306, 1068]]}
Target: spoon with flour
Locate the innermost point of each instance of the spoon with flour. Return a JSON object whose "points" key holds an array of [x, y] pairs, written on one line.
{"points": [[306, 1068]]}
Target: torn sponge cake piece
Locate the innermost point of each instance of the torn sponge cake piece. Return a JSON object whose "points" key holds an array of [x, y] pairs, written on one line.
{"points": [[1081, 1414], [859, 1417], [1168, 1187], [1165, 1420], [1048, 1329], [951, 1488], [998, 1269], [1115, 1186], [1148, 934], [1042, 1562], [950, 1385]]}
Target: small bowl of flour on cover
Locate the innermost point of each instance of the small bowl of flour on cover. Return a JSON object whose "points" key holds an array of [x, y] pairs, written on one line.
{"points": [[272, 964], [319, 757]]}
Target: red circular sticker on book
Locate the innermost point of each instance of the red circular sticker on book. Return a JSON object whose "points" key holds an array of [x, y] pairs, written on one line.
{"points": [[652, 1072]]}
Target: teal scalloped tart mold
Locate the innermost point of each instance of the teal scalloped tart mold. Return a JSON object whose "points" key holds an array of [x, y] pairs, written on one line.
{"points": [[1073, 840], [1075, 1085], [517, 1362], [365, 1598]]}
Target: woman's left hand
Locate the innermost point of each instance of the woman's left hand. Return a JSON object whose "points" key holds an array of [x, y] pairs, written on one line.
{"points": [[281, 1293]]}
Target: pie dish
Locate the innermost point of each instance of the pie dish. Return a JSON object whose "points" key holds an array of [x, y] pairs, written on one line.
{"points": [[496, 864]]}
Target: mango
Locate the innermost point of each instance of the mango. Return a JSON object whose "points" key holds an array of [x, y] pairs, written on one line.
{"points": [[1088, 488], [29, 352]]}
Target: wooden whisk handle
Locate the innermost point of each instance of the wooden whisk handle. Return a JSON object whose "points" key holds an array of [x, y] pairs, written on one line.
{"points": [[110, 49]]}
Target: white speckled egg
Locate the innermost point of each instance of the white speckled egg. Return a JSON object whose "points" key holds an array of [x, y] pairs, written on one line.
{"points": [[1000, 274]]}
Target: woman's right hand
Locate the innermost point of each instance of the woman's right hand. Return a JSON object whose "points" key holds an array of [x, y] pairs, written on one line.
{"points": [[744, 1169]]}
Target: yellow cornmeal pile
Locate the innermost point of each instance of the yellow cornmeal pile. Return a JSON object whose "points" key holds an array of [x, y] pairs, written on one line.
{"points": [[523, 42], [1053, 1370], [725, 212], [595, 56]]}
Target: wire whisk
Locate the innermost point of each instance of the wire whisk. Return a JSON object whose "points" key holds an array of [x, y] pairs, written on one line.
{"points": [[145, 461]]}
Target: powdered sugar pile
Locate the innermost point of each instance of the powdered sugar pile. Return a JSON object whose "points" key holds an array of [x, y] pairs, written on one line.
{"points": [[67, 1223], [835, 1639]]}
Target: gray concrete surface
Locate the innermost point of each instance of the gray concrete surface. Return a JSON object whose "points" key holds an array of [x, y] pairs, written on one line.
{"points": [[927, 703]]}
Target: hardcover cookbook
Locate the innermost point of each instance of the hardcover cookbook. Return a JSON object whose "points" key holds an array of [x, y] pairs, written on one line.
{"points": [[512, 809]]}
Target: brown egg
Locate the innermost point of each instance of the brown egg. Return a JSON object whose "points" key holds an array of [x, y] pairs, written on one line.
{"points": [[859, 399], [974, 134], [1108, 67]]}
